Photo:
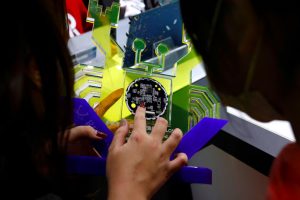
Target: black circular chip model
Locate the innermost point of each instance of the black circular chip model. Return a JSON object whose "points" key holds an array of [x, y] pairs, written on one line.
{"points": [[147, 92]]}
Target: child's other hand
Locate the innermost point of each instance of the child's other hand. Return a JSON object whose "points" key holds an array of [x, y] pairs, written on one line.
{"points": [[78, 140], [84, 132]]}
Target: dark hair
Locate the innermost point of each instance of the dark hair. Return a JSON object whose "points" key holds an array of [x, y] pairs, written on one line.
{"points": [[280, 23], [34, 37]]}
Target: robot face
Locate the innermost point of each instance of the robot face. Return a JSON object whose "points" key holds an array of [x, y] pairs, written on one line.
{"points": [[148, 92]]}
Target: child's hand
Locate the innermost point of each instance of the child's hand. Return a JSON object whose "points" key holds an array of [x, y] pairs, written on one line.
{"points": [[78, 140], [138, 168], [84, 132]]}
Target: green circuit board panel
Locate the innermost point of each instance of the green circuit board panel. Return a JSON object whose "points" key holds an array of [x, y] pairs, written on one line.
{"points": [[192, 103]]}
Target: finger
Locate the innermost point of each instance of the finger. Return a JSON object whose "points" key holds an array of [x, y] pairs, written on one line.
{"points": [[159, 128], [180, 161], [114, 126], [89, 132], [100, 135], [120, 135], [139, 124], [172, 142]]}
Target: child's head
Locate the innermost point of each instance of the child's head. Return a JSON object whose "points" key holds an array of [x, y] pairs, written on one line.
{"points": [[250, 51], [36, 85]]}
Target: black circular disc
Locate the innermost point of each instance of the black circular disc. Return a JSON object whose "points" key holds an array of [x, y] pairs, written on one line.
{"points": [[148, 92]]}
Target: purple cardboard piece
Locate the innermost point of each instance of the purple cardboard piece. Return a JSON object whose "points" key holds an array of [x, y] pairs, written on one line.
{"points": [[91, 165], [199, 136], [190, 174], [85, 115], [191, 143], [86, 165]]}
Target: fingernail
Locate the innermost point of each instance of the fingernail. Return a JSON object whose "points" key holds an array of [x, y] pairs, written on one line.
{"points": [[142, 104], [123, 122], [101, 135]]}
